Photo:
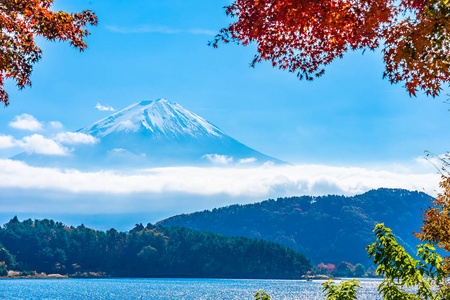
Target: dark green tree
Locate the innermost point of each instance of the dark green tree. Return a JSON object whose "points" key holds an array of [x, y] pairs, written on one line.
{"points": [[360, 270]]}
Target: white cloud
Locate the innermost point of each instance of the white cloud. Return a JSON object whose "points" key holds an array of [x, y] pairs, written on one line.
{"points": [[118, 151], [37, 143], [29, 122], [247, 160], [434, 162], [26, 122], [73, 138], [218, 159], [7, 141], [104, 108], [55, 125], [269, 163], [258, 183], [159, 29]]}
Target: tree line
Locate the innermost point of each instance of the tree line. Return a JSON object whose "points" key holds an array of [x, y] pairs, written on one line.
{"points": [[145, 251]]}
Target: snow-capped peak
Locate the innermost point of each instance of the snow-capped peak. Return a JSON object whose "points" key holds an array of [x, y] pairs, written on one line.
{"points": [[158, 118], [154, 133]]}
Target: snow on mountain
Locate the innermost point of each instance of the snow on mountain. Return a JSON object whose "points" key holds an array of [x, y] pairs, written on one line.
{"points": [[160, 117], [149, 134]]}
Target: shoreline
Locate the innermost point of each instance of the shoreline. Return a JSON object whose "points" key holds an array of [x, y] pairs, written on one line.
{"points": [[42, 275], [37, 276], [59, 276]]}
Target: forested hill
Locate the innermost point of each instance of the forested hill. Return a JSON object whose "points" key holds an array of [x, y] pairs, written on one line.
{"points": [[326, 229], [150, 251]]}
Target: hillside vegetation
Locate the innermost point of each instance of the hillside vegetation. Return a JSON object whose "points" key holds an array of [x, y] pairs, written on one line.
{"points": [[150, 251], [327, 229]]}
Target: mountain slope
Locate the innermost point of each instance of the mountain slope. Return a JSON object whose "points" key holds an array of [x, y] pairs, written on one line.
{"points": [[160, 119], [326, 229], [153, 133]]}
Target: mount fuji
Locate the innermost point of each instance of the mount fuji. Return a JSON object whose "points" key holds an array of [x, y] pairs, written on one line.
{"points": [[152, 134]]}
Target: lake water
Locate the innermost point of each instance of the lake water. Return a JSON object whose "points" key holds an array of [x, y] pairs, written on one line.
{"points": [[131, 288]]}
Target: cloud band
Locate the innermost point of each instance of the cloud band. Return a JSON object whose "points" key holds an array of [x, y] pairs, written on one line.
{"points": [[258, 182]]}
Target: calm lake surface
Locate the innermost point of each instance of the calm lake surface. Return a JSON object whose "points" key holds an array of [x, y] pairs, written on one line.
{"points": [[131, 288]]}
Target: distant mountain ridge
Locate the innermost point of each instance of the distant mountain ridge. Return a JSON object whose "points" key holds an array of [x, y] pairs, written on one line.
{"points": [[327, 229], [153, 133]]}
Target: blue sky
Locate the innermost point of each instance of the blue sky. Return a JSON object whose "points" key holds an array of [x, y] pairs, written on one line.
{"points": [[155, 49], [141, 50]]}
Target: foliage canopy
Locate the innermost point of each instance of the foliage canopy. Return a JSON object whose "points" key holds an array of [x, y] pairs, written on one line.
{"points": [[304, 36], [402, 271], [405, 277], [145, 251], [261, 295], [436, 219], [20, 22], [346, 290]]}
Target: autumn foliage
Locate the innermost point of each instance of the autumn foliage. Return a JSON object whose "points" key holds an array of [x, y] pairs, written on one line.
{"points": [[436, 220], [303, 36], [21, 21]]}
